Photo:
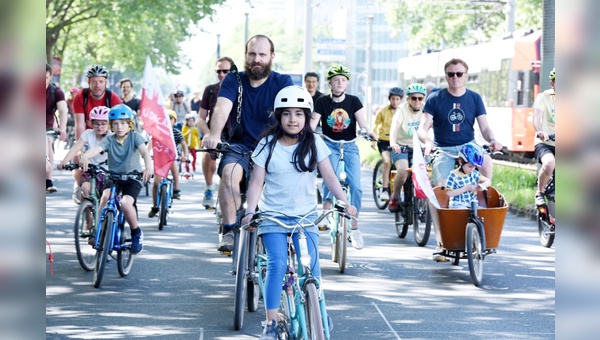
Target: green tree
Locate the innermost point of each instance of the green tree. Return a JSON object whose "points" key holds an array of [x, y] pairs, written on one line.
{"points": [[438, 24], [120, 34]]}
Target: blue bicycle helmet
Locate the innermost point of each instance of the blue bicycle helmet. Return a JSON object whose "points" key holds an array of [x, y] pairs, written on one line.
{"points": [[396, 91], [472, 153], [120, 111]]}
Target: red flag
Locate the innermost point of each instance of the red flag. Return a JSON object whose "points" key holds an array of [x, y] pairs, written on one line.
{"points": [[157, 123]]}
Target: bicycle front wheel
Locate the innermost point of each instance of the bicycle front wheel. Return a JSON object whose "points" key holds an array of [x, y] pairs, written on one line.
{"points": [[84, 231], [314, 321], [421, 221], [474, 253], [378, 185], [253, 288], [162, 215], [241, 282], [545, 231], [342, 242], [124, 256], [104, 248]]}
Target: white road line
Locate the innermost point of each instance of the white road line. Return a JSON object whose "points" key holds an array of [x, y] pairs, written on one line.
{"points": [[386, 321], [201, 333]]}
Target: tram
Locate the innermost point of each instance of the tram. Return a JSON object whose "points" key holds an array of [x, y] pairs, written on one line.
{"points": [[505, 72]]}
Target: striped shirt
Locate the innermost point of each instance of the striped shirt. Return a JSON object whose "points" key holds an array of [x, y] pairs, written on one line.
{"points": [[456, 181]]}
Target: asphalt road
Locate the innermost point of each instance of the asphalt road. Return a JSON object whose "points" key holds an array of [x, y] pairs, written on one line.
{"points": [[180, 287]]}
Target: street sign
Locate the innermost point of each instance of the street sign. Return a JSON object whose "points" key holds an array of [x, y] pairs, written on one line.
{"points": [[330, 49]]}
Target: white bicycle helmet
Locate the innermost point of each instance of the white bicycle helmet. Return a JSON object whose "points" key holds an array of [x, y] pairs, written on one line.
{"points": [[293, 96]]}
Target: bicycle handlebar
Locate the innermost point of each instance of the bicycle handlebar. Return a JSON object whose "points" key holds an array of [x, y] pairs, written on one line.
{"points": [[261, 216], [361, 134]]}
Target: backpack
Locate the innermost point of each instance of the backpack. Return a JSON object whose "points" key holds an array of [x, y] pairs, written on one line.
{"points": [[53, 88], [86, 93]]}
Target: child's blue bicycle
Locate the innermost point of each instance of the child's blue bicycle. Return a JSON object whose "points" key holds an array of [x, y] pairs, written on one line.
{"points": [[164, 201], [112, 231], [304, 312]]}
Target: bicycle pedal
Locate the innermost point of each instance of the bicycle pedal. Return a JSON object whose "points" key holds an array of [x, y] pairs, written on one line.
{"points": [[226, 252]]}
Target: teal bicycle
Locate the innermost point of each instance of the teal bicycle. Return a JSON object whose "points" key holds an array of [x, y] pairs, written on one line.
{"points": [[341, 224], [304, 312]]}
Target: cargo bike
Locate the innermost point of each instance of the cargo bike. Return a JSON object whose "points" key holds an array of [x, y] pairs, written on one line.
{"points": [[470, 234]]}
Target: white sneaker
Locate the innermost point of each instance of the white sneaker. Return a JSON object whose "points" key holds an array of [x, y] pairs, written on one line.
{"points": [[324, 224], [357, 239], [384, 196], [438, 257]]}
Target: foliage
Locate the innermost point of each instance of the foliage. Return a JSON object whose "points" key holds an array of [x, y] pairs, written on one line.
{"points": [[443, 24], [517, 185], [119, 34]]}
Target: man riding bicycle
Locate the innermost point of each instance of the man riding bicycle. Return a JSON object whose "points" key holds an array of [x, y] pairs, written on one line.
{"points": [[544, 122], [452, 113], [260, 86]]}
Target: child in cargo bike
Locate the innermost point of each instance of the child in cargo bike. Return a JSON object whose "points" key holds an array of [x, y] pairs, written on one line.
{"points": [[464, 182]]}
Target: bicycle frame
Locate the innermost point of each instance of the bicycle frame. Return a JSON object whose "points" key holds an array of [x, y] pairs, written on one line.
{"points": [[113, 205], [162, 215], [297, 279]]}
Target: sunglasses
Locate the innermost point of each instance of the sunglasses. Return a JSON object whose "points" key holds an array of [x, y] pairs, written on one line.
{"points": [[417, 98], [178, 95], [222, 71], [452, 74]]}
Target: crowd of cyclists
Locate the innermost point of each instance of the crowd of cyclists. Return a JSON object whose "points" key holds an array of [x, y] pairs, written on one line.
{"points": [[261, 107]]}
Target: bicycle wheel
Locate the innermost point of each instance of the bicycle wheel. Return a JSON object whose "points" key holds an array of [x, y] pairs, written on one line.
{"points": [[474, 253], [421, 221], [314, 323], [288, 310], [545, 231], [104, 248], [124, 256], [162, 214], [342, 243], [253, 288], [86, 254], [241, 282], [401, 225], [378, 185]]}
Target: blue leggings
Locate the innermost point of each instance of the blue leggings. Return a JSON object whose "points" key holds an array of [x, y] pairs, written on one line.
{"points": [[276, 248]]}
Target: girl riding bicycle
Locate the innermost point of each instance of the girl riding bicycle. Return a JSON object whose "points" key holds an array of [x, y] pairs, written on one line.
{"points": [[339, 113], [288, 156], [91, 138], [124, 149]]}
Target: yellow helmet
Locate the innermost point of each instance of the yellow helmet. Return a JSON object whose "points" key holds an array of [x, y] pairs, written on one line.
{"points": [[172, 114]]}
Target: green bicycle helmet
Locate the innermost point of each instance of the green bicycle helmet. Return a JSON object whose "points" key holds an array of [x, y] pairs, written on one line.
{"points": [[553, 74], [338, 70], [416, 88]]}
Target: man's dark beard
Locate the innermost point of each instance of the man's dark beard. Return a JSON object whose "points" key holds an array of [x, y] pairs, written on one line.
{"points": [[258, 75]]}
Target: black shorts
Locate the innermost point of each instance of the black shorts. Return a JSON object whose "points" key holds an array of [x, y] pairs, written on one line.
{"points": [[130, 187], [383, 145], [232, 157], [541, 149]]}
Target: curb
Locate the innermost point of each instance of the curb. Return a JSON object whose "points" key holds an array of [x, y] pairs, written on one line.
{"points": [[525, 213]]}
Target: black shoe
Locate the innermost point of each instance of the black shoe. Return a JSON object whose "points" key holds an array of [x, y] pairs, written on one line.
{"points": [[153, 212], [176, 194]]}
